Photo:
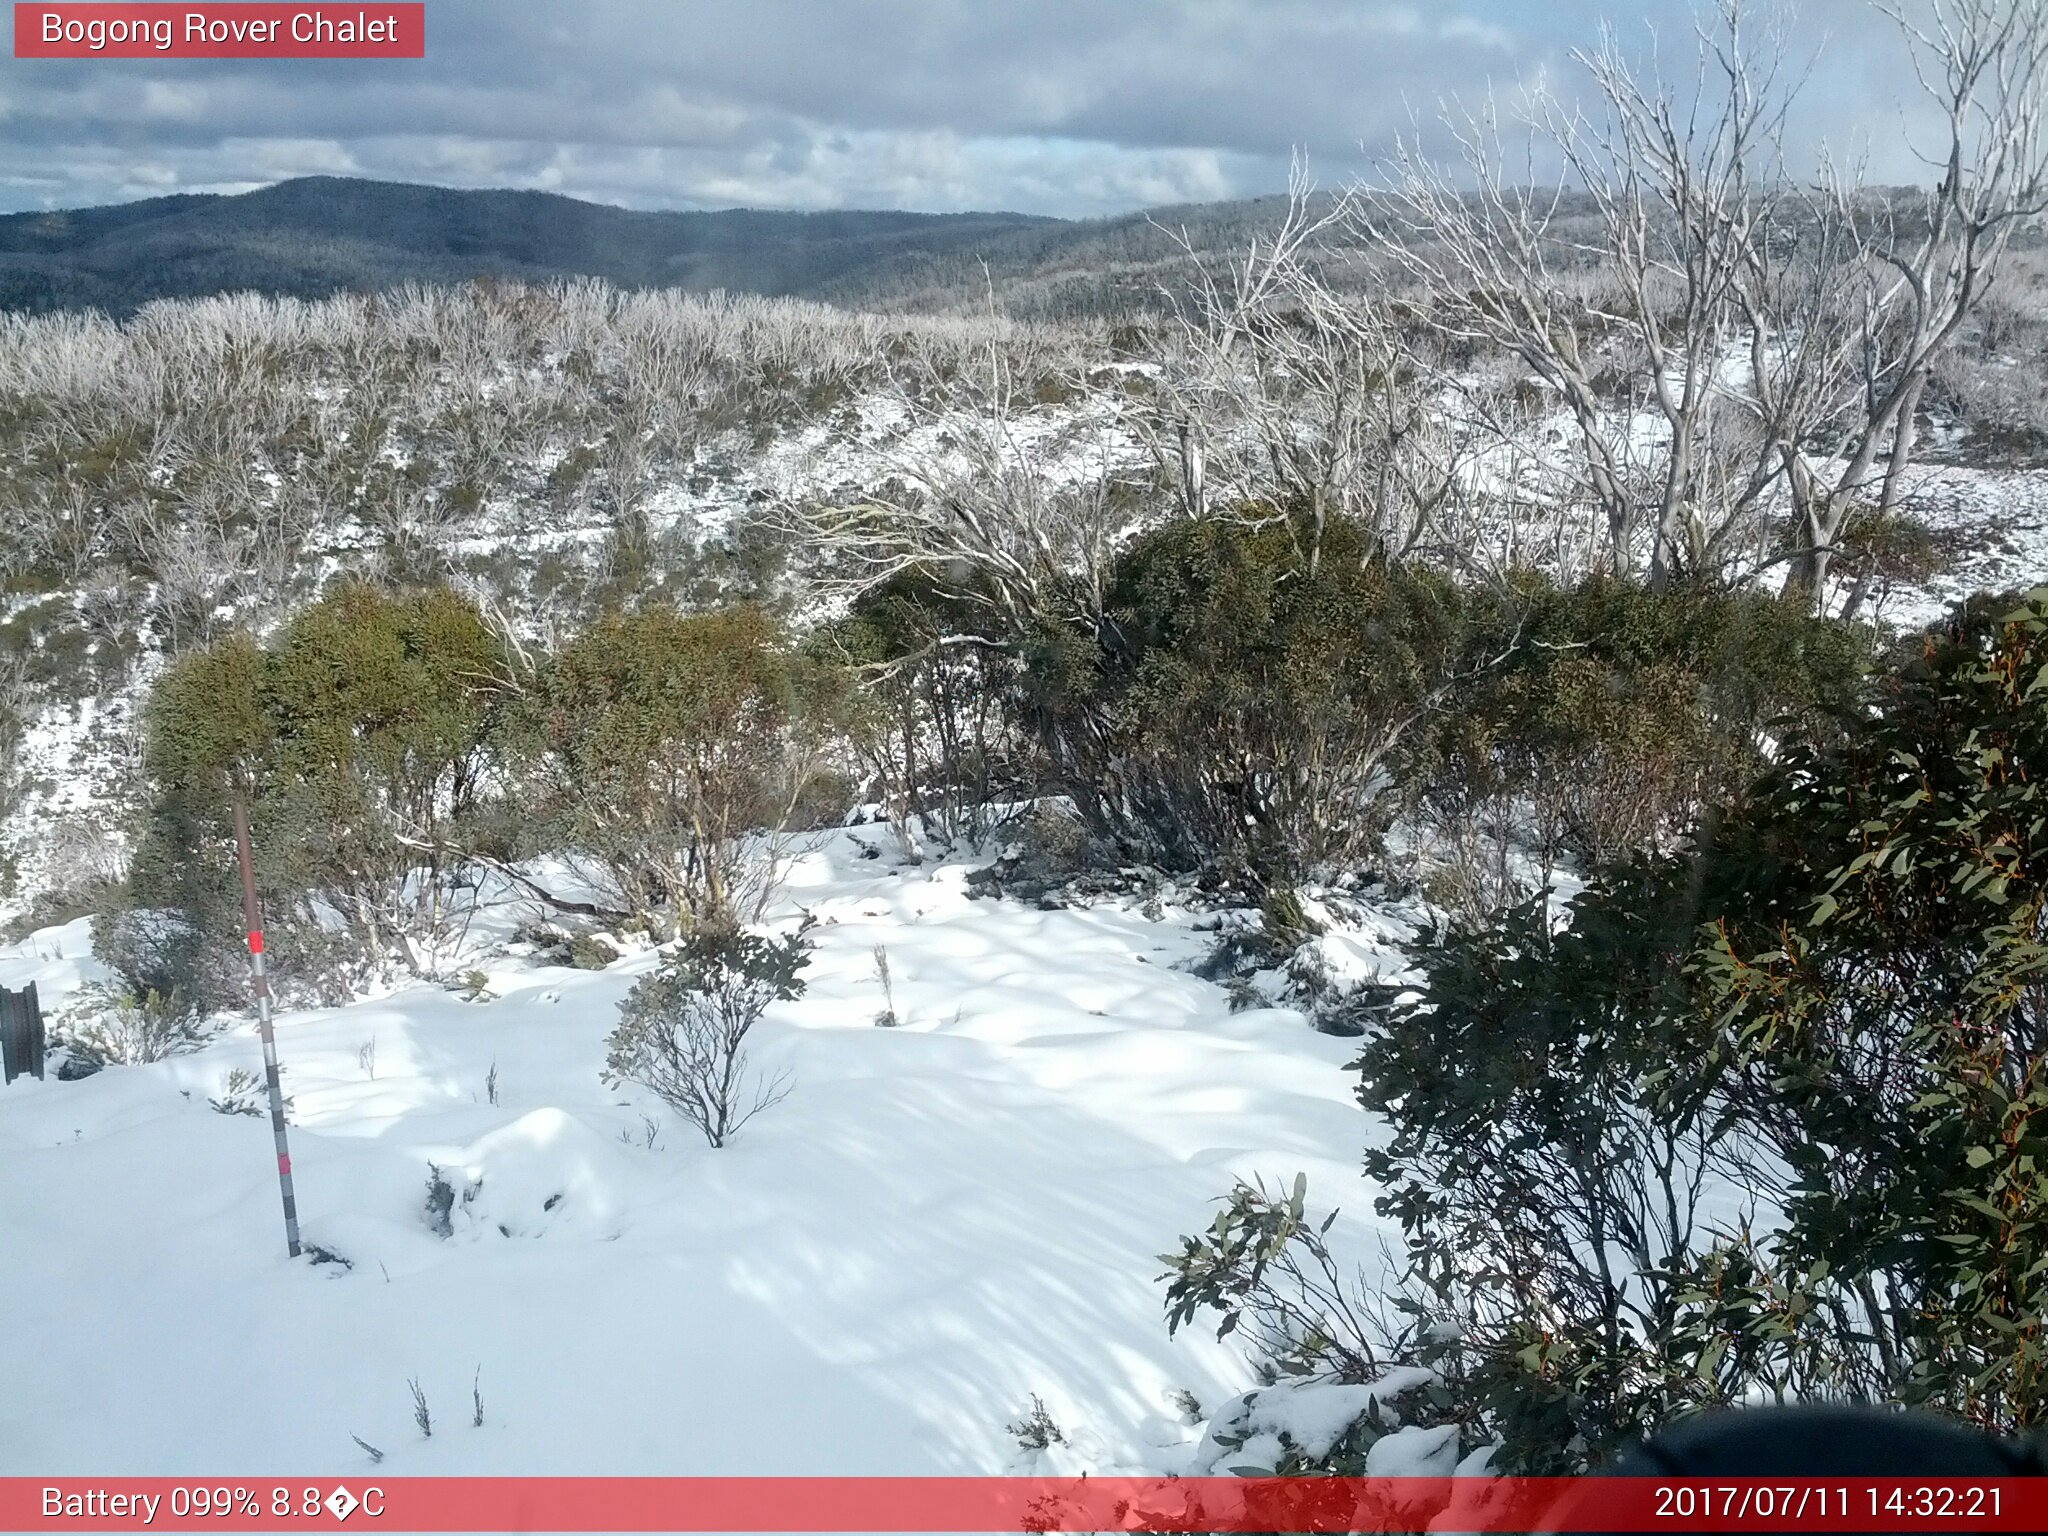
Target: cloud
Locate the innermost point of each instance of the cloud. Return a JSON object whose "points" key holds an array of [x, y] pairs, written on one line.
{"points": [[1071, 107]]}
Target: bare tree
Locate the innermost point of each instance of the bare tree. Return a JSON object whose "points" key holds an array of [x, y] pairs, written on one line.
{"points": [[1278, 397], [1617, 287], [1010, 509], [1777, 335], [1983, 65]]}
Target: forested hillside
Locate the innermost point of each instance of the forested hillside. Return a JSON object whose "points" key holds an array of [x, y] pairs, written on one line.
{"points": [[322, 235]]}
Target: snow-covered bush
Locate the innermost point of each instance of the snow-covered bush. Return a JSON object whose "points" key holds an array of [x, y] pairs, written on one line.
{"points": [[592, 951], [1382, 1428], [1276, 942], [1330, 1428], [1049, 859], [106, 1025], [683, 1029], [1334, 1356], [444, 1193], [1348, 1390], [545, 942]]}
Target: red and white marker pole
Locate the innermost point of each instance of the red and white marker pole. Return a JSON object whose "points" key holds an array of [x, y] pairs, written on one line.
{"points": [[253, 921]]}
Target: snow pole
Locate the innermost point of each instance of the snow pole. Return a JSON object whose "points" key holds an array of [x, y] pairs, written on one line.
{"points": [[260, 983]]}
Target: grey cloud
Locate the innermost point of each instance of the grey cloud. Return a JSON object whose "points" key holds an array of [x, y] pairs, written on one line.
{"points": [[1057, 106]]}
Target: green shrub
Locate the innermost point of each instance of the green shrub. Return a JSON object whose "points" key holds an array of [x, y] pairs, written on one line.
{"points": [[1830, 1001], [1613, 718], [653, 743], [1550, 1125], [1759, 1121], [1239, 709], [1880, 974], [1266, 1271], [360, 741], [591, 952], [683, 1029]]}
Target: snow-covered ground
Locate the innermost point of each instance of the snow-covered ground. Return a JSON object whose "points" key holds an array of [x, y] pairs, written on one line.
{"points": [[943, 1220], [1992, 530]]}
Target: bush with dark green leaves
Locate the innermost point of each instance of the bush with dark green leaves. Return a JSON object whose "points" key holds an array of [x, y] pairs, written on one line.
{"points": [[1612, 717], [1553, 1123], [1321, 1340], [1880, 980], [1240, 709], [1762, 1118]]}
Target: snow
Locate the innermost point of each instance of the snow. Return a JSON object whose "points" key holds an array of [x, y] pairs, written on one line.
{"points": [[58, 960], [1308, 1416], [1992, 528], [943, 1220], [1412, 1451]]}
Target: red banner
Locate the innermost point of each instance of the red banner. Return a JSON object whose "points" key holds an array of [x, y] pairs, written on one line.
{"points": [[217, 31], [921, 1504]]}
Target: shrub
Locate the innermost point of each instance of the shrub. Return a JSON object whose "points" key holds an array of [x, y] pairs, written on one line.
{"points": [[1240, 707], [653, 743], [1614, 716], [1265, 1272], [1037, 1430], [161, 950], [935, 725], [244, 1093], [359, 740], [1881, 976], [683, 1029], [87, 863], [592, 951], [1265, 1269], [108, 1026], [1050, 853], [1553, 1124], [443, 1195], [1758, 1121]]}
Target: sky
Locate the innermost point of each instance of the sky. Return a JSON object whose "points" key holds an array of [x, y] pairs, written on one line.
{"points": [[1075, 108]]}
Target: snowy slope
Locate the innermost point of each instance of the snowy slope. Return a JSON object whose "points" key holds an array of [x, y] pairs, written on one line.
{"points": [[1992, 529], [943, 1219]]}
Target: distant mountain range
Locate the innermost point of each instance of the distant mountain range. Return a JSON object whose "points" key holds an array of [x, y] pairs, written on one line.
{"points": [[322, 235]]}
